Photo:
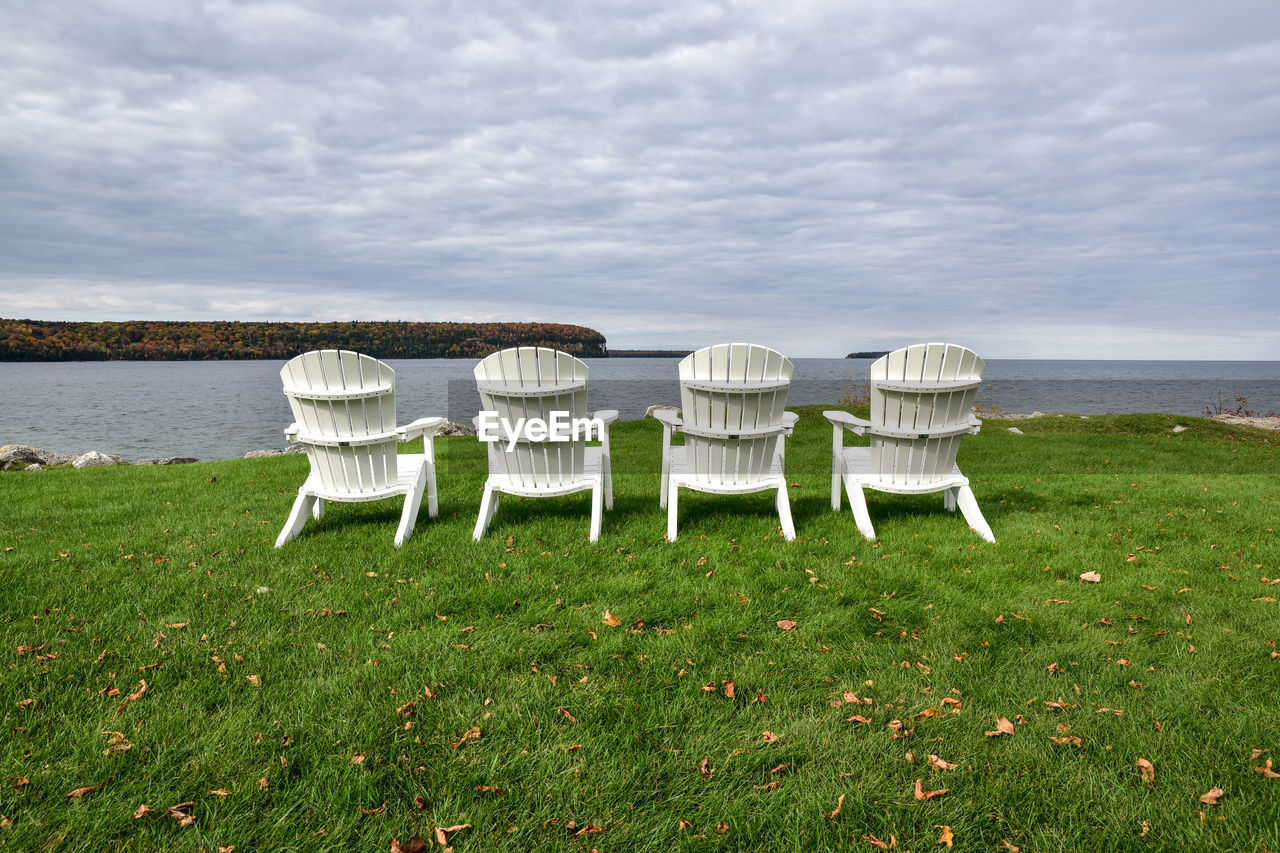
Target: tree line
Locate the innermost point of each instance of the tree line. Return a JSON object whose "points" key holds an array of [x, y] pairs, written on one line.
{"points": [[154, 340]]}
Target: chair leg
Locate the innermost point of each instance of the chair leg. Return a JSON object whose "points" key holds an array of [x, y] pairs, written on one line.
{"points": [[973, 515], [608, 481], [596, 499], [673, 499], [858, 502], [488, 504], [784, 513], [949, 499], [317, 509], [412, 503], [297, 517], [433, 502], [666, 474], [837, 466]]}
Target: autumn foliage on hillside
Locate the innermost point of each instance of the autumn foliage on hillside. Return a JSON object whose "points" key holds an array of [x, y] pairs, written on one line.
{"points": [[146, 340]]}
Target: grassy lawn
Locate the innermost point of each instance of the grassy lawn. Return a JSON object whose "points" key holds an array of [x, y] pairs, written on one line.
{"points": [[339, 692]]}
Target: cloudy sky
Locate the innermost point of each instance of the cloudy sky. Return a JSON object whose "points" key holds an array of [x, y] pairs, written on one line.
{"points": [[1033, 179]]}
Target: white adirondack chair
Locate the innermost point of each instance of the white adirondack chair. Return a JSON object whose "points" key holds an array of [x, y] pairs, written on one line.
{"points": [[921, 406], [344, 409], [532, 383], [732, 399]]}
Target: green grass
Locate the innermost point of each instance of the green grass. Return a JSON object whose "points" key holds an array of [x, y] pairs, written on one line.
{"points": [[100, 567]]}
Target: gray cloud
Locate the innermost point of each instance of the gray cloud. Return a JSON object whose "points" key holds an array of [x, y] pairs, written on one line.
{"points": [[1079, 179]]}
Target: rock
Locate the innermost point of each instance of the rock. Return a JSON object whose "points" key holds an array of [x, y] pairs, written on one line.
{"points": [[23, 453], [1179, 428], [168, 460], [1016, 431], [93, 459], [258, 454], [450, 428], [649, 411], [34, 466]]}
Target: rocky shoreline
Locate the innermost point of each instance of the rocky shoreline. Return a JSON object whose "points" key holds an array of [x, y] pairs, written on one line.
{"points": [[22, 457]]}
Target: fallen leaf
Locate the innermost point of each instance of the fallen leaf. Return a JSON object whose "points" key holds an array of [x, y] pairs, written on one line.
{"points": [[785, 624], [562, 712], [357, 759], [839, 805], [1148, 771], [780, 768], [591, 827], [142, 811], [1003, 727], [23, 780], [770, 737], [684, 824], [768, 786], [182, 813], [443, 832], [1266, 771], [5, 822], [938, 764], [857, 718], [705, 767], [472, 733], [1211, 798], [1070, 740], [876, 842], [255, 680], [923, 795], [379, 810], [484, 789], [946, 837], [220, 792], [610, 620], [413, 845], [79, 792], [1091, 577]]}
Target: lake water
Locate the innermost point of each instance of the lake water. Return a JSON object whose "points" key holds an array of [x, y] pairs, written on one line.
{"points": [[222, 409]]}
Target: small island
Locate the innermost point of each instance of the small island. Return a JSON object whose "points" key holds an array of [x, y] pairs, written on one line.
{"points": [[153, 340], [869, 354]]}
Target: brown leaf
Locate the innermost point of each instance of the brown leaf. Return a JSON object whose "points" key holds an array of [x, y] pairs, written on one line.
{"points": [[220, 792], [1266, 771], [769, 737], [79, 792], [443, 832], [780, 768], [857, 718], [946, 837], [142, 811], [785, 624], [472, 733], [255, 680], [562, 712], [684, 824], [484, 789], [729, 688], [182, 813], [1211, 798], [1091, 577], [722, 827], [767, 787], [839, 805], [139, 691], [1070, 740], [23, 780], [379, 810], [1003, 727], [5, 822], [611, 620], [922, 794], [876, 842], [357, 759], [591, 827], [414, 845], [938, 764], [705, 767]]}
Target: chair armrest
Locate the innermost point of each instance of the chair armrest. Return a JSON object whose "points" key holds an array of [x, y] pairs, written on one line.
{"points": [[789, 419], [291, 432], [669, 418], [975, 425], [940, 432], [422, 426], [607, 416], [848, 421]]}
